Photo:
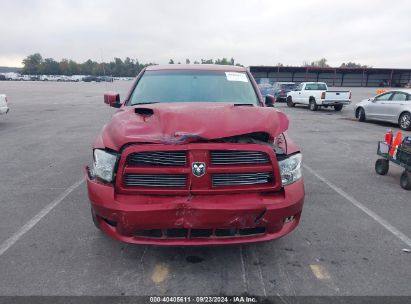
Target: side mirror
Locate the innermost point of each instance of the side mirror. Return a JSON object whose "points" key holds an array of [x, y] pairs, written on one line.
{"points": [[269, 101], [112, 99], [372, 99]]}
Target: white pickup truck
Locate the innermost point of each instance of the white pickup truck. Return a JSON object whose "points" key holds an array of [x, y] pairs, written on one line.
{"points": [[3, 104], [316, 94]]}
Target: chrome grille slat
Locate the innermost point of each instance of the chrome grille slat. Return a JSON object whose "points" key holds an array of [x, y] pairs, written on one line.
{"points": [[230, 179], [230, 157], [157, 158], [156, 180]]}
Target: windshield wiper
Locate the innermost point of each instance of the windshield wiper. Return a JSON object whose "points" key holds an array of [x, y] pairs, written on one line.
{"points": [[243, 104], [144, 103]]}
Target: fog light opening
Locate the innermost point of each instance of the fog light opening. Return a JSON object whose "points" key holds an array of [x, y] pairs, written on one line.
{"points": [[111, 223], [289, 219]]}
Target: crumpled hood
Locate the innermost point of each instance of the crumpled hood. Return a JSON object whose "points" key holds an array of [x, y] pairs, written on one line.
{"points": [[174, 123]]}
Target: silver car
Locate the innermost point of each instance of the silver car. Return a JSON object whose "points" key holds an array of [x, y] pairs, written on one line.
{"points": [[391, 106]]}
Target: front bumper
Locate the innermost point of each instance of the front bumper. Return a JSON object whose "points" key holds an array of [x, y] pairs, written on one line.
{"points": [[196, 220], [4, 110]]}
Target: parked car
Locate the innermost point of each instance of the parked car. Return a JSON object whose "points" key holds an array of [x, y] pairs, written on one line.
{"points": [[4, 108], [106, 78], [280, 90], [23, 78], [391, 106], [77, 78], [11, 76], [47, 77], [316, 94], [265, 89], [2, 77], [91, 78], [193, 157]]}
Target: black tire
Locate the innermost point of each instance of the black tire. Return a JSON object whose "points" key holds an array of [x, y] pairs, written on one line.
{"points": [[405, 180], [361, 114], [382, 166], [405, 121], [94, 217], [290, 102], [338, 108], [313, 105]]}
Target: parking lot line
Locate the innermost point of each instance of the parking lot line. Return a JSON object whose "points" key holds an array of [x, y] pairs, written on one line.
{"points": [[37, 218], [398, 234], [243, 273]]}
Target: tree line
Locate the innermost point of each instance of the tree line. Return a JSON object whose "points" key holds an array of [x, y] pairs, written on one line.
{"points": [[322, 63], [35, 64]]}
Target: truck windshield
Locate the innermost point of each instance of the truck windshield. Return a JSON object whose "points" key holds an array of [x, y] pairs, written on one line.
{"points": [[194, 86]]}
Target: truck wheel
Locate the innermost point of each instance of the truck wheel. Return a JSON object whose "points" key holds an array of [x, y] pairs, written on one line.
{"points": [[313, 105], [338, 108], [405, 180], [290, 102], [382, 166], [94, 216], [405, 121], [360, 114]]}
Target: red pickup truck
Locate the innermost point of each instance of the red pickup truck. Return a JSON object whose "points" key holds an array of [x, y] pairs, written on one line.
{"points": [[195, 156]]}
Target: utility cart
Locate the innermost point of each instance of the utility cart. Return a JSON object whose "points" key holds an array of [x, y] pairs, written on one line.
{"points": [[402, 158]]}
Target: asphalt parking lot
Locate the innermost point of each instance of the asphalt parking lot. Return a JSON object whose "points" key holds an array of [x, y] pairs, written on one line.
{"points": [[349, 242]]}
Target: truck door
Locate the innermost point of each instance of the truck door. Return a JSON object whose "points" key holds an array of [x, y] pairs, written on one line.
{"points": [[297, 94], [306, 92]]}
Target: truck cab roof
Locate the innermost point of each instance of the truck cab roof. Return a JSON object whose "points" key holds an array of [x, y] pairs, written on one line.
{"points": [[206, 67]]}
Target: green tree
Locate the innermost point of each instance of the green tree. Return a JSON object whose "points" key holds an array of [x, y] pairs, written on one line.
{"points": [[73, 68], [64, 67], [208, 61], [353, 65], [50, 67], [31, 64], [322, 63]]}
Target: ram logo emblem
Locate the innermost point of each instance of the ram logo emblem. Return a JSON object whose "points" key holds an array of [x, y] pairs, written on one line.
{"points": [[199, 169]]}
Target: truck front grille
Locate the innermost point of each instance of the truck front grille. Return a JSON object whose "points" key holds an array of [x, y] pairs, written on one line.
{"points": [[155, 180], [160, 169], [234, 179], [157, 158], [228, 157]]}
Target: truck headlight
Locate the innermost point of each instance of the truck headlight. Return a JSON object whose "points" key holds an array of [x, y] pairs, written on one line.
{"points": [[290, 169], [104, 163]]}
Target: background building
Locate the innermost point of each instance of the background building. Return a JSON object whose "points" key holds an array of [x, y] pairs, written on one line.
{"points": [[338, 77]]}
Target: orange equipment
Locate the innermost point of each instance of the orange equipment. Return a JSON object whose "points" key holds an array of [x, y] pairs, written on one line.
{"points": [[389, 137], [397, 141]]}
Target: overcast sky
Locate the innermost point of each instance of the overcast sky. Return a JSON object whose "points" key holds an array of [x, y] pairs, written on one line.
{"points": [[256, 32]]}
